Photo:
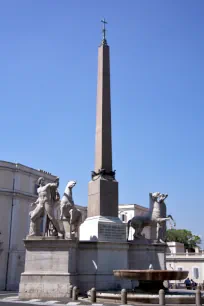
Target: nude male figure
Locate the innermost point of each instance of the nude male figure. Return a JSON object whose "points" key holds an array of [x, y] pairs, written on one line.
{"points": [[44, 204]]}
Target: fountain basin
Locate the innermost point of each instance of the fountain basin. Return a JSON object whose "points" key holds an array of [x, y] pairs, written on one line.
{"points": [[151, 275], [151, 281]]}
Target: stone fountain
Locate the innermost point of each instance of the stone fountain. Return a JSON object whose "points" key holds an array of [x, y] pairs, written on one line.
{"points": [[85, 255], [151, 280]]}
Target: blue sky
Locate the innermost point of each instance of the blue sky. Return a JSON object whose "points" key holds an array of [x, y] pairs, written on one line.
{"points": [[48, 71]]}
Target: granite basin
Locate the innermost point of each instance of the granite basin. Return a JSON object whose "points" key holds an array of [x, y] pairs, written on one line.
{"points": [[151, 275]]}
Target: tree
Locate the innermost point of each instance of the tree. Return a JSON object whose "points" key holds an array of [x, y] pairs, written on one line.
{"points": [[184, 236]]}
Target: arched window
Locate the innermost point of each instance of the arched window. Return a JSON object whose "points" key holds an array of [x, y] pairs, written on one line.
{"points": [[195, 272]]}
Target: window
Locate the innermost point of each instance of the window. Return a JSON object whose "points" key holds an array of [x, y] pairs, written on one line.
{"points": [[35, 189], [195, 272], [124, 218]]}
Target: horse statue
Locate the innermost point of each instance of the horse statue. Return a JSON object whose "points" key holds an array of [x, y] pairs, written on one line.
{"points": [[68, 210], [155, 217]]}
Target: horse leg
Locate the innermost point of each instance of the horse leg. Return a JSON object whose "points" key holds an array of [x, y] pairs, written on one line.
{"points": [[173, 223], [169, 218], [73, 220], [140, 229], [159, 225], [128, 228], [78, 222], [158, 231], [137, 231], [62, 211]]}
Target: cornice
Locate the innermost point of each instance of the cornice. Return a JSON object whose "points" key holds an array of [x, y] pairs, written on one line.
{"points": [[15, 167], [187, 258], [130, 207], [17, 193]]}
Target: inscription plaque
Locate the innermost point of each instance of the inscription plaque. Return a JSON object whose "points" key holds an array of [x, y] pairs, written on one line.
{"points": [[112, 232]]}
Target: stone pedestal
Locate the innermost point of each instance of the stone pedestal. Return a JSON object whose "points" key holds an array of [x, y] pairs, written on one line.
{"points": [[52, 264], [68, 230], [143, 252], [103, 198], [96, 263], [50, 267], [101, 228]]}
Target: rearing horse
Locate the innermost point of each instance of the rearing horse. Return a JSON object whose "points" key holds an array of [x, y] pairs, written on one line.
{"points": [[155, 216], [68, 210]]}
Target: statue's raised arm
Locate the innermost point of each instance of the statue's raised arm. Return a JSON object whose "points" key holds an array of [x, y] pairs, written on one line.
{"points": [[55, 184]]}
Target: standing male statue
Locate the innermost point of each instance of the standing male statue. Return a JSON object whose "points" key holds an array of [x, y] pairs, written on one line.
{"points": [[47, 196]]}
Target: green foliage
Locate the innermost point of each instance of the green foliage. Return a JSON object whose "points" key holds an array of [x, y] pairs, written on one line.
{"points": [[183, 236]]}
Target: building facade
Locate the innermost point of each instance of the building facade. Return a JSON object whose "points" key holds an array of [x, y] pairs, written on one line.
{"points": [[179, 259], [18, 188]]}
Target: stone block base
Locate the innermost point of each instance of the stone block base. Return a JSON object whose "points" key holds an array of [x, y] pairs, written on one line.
{"points": [[101, 228], [53, 264], [96, 263], [143, 253], [50, 267], [39, 286]]}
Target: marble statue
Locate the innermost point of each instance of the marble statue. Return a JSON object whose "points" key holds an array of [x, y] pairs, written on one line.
{"points": [[44, 205], [68, 210], [155, 216]]}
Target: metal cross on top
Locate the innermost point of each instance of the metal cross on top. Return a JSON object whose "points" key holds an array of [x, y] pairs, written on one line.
{"points": [[104, 41]]}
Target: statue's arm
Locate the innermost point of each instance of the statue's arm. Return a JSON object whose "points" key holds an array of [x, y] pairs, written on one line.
{"points": [[56, 184], [34, 203]]}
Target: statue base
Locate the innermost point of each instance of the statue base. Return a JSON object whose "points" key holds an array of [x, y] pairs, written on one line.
{"points": [[50, 267], [68, 233], [101, 228], [53, 264]]}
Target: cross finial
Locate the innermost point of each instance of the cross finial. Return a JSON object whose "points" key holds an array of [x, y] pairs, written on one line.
{"points": [[104, 41]]}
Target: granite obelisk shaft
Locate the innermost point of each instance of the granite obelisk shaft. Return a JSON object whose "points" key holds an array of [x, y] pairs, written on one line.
{"points": [[103, 189], [103, 143]]}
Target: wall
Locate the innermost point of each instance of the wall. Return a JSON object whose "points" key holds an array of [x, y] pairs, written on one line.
{"points": [[188, 262], [5, 218], [17, 191], [175, 247]]}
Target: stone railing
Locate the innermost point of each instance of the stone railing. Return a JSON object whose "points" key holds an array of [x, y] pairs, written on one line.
{"points": [[185, 254], [125, 297], [162, 298]]}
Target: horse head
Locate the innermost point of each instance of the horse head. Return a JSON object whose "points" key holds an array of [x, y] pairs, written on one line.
{"points": [[155, 196], [158, 197], [162, 197], [69, 186]]}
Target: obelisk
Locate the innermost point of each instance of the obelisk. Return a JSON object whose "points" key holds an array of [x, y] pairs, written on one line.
{"points": [[103, 188]]}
